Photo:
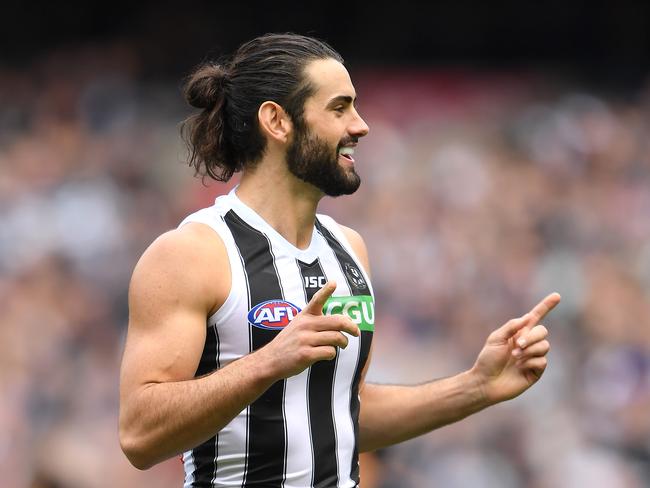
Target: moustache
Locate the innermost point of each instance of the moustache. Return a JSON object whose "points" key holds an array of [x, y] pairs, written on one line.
{"points": [[347, 140]]}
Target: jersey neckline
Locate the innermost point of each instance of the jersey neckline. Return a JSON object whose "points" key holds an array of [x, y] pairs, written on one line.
{"points": [[256, 220]]}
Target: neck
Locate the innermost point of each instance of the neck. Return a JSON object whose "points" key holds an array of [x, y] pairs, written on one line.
{"points": [[286, 203]]}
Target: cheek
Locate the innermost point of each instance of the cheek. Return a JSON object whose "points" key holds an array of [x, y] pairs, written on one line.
{"points": [[329, 128]]}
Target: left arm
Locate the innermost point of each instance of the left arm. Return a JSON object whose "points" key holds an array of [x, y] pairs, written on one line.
{"points": [[511, 361]]}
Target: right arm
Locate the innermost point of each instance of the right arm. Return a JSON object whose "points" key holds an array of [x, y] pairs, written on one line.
{"points": [[164, 410]]}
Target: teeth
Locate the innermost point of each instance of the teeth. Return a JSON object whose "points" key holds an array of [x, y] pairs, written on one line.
{"points": [[348, 151]]}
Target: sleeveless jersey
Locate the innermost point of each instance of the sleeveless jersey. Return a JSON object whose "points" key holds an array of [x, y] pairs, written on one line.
{"points": [[302, 432]]}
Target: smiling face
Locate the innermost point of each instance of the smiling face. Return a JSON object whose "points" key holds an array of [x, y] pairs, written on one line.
{"points": [[323, 143]]}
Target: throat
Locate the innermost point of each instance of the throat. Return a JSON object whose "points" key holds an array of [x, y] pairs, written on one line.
{"points": [[295, 231], [289, 212]]}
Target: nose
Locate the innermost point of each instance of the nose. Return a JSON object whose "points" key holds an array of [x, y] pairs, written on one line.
{"points": [[359, 128]]}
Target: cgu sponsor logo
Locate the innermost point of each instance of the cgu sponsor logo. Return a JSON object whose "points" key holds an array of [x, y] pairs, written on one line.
{"points": [[272, 314], [360, 308]]}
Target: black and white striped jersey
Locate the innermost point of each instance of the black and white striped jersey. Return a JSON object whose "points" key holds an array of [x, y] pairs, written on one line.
{"points": [[302, 431]]}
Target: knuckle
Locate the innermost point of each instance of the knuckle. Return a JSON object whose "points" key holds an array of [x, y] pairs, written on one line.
{"points": [[301, 337], [338, 324], [316, 355], [297, 323], [305, 355]]}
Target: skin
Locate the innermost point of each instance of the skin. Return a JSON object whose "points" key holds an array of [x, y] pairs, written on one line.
{"points": [[164, 410]]}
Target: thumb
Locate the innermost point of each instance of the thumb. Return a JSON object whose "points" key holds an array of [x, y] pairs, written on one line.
{"points": [[316, 304]]}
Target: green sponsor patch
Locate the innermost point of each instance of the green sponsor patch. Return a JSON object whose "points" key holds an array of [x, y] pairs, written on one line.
{"points": [[360, 308]]}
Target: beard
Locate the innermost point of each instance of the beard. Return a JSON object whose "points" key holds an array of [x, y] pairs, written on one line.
{"points": [[312, 160]]}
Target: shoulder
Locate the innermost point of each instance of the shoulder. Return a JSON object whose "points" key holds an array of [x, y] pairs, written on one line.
{"points": [[188, 246], [355, 240], [189, 264]]}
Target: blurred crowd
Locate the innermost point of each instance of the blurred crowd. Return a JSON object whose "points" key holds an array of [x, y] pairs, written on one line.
{"points": [[481, 193]]}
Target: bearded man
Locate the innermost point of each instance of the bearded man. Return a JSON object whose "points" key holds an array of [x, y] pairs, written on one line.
{"points": [[251, 324]]}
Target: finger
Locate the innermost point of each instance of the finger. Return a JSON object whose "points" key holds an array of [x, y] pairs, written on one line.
{"points": [[507, 330], [315, 305], [336, 322], [540, 310], [531, 336], [330, 338], [323, 353], [536, 364], [538, 349]]}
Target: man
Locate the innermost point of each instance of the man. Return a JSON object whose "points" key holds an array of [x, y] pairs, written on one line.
{"points": [[272, 391]]}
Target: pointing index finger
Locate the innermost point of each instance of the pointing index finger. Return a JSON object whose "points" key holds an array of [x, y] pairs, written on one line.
{"points": [[315, 305], [540, 310]]}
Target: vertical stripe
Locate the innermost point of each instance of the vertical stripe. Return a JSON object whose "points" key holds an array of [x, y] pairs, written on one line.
{"points": [[358, 286], [266, 451], [366, 339], [233, 438], [299, 466], [321, 380], [250, 348], [204, 456], [216, 441], [188, 466], [343, 377], [345, 424], [311, 435]]}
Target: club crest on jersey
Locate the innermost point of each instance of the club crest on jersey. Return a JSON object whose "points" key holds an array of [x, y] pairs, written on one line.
{"points": [[272, 314], [354, 276]]}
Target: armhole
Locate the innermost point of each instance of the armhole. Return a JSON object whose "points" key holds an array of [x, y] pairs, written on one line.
{"points": [[214, 221]]}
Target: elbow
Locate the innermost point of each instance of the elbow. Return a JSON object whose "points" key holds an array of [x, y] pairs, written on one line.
{"points": [[135, 450]]}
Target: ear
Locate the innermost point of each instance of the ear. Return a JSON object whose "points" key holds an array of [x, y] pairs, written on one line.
{"points": [[274, 121]]}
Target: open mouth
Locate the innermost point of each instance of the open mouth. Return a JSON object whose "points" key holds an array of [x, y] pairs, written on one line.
{"points": [[347, 153]]}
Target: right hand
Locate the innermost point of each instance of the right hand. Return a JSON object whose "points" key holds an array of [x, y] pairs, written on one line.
{"points": [[309, 337], [514, 355]]}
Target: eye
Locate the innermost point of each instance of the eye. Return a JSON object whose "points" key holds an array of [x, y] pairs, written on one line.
{"points": [[340, 109]]}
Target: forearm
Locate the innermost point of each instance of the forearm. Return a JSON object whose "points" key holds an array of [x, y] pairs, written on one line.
{"points": [[391, 414], [160, 420]]}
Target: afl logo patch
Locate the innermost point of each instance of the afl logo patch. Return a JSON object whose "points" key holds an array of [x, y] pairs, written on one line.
{"points": [[355, 276], [272, 314]]}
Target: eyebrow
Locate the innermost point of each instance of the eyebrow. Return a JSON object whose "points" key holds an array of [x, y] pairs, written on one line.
{"points": [[347, 99]]}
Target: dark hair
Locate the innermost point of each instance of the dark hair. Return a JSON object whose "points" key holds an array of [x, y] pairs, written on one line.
{"points": [[225, 136]]}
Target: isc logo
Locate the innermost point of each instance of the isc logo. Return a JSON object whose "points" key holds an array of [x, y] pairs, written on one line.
{"points": [[272, 314], [314, 281]]}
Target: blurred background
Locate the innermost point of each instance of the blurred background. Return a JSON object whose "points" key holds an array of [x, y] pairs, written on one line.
{"points": [[509, 156]]}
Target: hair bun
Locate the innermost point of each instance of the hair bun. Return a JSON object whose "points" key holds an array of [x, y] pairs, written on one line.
{"points": [[204, 87]]}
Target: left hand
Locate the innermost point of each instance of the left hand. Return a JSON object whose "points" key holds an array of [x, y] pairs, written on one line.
{"points": [[514, 355]]}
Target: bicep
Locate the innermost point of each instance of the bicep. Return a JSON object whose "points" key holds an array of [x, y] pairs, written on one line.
{"points": [[170, 297], [161, 346]]}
